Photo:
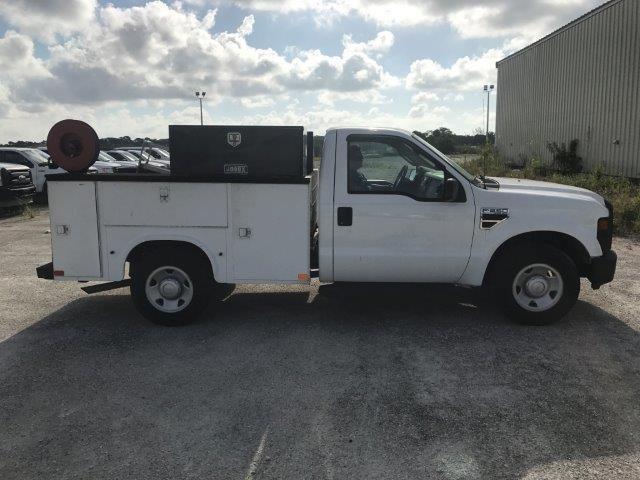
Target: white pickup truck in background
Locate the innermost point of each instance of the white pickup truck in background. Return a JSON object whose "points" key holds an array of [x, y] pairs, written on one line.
{"points": [[386, 207], [36, 161]]}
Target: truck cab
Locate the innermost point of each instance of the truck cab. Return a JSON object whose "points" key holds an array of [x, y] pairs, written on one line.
{"points": [[395, 209], [387, 207]]}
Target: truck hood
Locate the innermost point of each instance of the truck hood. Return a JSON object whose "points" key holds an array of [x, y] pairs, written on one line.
{"points": [[553, 189], [14, 167]]}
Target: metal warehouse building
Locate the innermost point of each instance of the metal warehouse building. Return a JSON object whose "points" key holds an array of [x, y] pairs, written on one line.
{"points": [[580, 82]]}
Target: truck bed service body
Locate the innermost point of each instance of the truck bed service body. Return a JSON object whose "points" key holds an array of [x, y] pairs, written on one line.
{"points": [[385, 207]]}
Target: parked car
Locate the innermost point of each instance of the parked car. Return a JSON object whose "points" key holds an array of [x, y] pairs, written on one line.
{"points": [[119, 165], [124, 156], [38, 163], [156, 152], [103, 165], [145, 156], [16, 187]]}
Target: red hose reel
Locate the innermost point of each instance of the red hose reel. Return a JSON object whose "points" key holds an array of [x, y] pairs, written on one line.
{"points": [[73, 145]]}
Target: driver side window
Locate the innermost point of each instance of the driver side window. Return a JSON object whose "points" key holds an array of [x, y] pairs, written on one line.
{"points": [[391, 165]]}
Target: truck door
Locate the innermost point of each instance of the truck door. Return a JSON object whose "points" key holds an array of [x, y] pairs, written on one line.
{"points": [[391, 223]]}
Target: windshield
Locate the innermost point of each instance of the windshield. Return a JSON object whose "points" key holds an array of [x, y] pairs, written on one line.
{"points": [[450, 162], [105, 157], [164, 155], [127, 156], [36, 156]]}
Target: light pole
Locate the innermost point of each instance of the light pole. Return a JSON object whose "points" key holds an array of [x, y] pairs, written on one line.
{"points": [[488, 89], [201, 98]]}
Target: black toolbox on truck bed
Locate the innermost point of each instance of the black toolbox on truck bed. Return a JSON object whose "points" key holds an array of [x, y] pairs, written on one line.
{"points": [[251, 152]]}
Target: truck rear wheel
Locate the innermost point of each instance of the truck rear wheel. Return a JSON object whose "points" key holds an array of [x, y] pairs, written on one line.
{"points": [[538, 284], [171, 287]]}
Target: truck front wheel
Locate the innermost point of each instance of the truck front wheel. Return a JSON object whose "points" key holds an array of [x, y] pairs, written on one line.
{"points": [[538, 283], [171, 287]]}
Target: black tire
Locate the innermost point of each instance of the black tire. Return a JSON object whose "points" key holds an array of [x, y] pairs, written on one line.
{"points": [[199, 280], [515, 262]]}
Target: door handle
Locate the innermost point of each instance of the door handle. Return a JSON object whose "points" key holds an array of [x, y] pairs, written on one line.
{"points": [[345, 216]]}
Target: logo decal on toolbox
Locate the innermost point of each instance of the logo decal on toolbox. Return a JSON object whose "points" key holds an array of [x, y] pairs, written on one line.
{"points": [[236, 169], [234, 138]]}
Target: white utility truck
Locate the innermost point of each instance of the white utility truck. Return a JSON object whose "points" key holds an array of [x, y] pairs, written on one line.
{"points": [[385, 207]]}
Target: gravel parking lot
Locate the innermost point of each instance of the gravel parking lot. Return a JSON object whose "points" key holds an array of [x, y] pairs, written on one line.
{"points": [[320, 382]]}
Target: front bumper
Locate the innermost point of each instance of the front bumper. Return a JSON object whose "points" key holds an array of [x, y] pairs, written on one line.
{"points": [[602, 269], [12, 197]]}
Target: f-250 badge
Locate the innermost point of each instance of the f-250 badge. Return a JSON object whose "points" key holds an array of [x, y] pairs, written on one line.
{"points": [[490, 217]]}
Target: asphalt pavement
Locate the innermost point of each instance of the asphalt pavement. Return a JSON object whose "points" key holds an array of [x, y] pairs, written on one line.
{"points": [[327, 381]]}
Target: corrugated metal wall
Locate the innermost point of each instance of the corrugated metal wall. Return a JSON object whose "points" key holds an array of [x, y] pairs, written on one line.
{"points": [[583, 83]]}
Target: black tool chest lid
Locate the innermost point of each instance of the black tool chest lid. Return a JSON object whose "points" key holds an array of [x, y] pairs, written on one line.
{"points": [[237, 151]]}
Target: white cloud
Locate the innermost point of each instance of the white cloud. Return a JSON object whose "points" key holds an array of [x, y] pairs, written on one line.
{"points": [[261, 101], [424, 97], [17, 58], [164, 52], [161, 51], [381, 44], [494, 18], [465, 74], [420, 105], [49, 17], [419, 111], [369, 97], [453, 97]]}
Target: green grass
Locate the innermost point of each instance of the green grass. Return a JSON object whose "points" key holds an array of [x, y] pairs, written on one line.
{"points": [[622, 193]]}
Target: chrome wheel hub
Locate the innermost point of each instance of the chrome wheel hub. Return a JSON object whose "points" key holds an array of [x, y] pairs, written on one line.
{"points": [[537, 287], [169, 289]]}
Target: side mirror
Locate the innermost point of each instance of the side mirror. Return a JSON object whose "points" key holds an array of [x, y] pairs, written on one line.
{"points": [[451, 189]]}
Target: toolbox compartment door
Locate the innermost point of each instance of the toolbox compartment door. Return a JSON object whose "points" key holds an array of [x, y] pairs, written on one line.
{"points": [[74, 229], [163, 204], [269, 233]]}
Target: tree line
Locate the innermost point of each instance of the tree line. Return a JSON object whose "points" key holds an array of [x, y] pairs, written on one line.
{"points": [[448, 142]]}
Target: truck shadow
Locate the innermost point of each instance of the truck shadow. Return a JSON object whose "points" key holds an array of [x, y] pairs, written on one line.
{"points": [[355, 381]]}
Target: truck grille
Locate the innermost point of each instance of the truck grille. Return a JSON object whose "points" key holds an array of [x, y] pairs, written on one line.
{"points": [[16, 179]]}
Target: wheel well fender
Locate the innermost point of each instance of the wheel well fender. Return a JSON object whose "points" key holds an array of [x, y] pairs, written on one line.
{"points": [[572, 247], [151, 246]]}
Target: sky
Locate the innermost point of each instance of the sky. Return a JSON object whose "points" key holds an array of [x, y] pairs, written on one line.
{"points": [[131, 67]]}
